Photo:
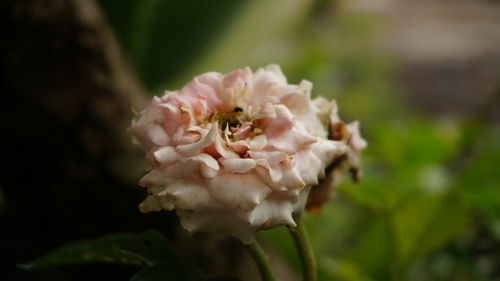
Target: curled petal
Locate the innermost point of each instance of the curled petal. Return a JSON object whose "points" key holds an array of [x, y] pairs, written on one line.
{"points": [[157, 135], [191, 195], [238, 165], [155, 177], [237, 78], [222, 150], [207, 160], [222, 222], [182, 169], [150, 204], [193, 148], [272, 213], [281, 124], [356, 142], [243, 131], [209, 167], [257, 143], [266, 170], [166, 155], [291, 179], [291, 141], [239, 147], [272, 157], [309, 166], [241, 192], [173, 115], [214, 80]]}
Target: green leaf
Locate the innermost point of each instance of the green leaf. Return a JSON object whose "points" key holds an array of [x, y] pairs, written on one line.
{"points": [[164, 272], [427, 222], [479, 182], [330, 269], [373, 248], [146, 248]]}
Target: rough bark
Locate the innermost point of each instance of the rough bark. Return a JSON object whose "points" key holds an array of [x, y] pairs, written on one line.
{"points": [[69, 168]]}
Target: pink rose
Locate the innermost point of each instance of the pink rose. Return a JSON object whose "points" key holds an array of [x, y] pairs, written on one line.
{"points": [[236, 153]]}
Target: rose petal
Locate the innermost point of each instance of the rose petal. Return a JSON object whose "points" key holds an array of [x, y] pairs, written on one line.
{"points": [[157, 135], [279, 125], [222, 149], [291, 141], [209, 167], [191, 195], [173, 117], [272, 157], [271, 213], [239, 147], [165, 155], [193, 148], [291, 179], [243, 131], [258, 142], [222, 222], [150, 204], [273, 172], [238, 165], [240, 192], [155, 177]]}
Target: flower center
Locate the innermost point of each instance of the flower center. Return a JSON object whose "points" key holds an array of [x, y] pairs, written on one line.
{"points": [[237, 124]]}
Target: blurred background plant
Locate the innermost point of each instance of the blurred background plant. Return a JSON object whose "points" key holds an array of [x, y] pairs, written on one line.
{"points": [[421, 76]]}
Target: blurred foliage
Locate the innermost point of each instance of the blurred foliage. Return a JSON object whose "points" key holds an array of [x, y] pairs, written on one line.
{"points": [[150, 249], [428, 206]]}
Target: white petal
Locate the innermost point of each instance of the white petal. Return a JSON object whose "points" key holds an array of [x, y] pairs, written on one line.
{"points": [[191, 195], [356, 142], [193, 148], [165, 155], [240, 146], [291, 179], [272, 213], [309, 167], [217, 222], [222, 150], [273, 157], [273, 172], [291, 141], [207, 160], [327, 150], [258, 142], [209, 167], [172, 117], [181, 169], [239, 192], [150, 204], [238, 165], [155, 177], [157, 135]]}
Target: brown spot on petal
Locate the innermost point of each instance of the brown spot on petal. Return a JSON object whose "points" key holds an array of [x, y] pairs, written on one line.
{"points": [[355, 174], [338, 131], [320, 193]]}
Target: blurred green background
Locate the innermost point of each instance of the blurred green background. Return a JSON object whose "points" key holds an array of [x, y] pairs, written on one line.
{"points": [[428, 206], [422, 78]]}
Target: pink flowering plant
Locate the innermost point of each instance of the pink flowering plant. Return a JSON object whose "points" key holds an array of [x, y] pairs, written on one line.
{"points": [[240, 152], [236, 153]]}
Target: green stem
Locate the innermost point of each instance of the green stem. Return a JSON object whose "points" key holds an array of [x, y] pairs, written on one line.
{"points": [[262, 261], [301, 239]]}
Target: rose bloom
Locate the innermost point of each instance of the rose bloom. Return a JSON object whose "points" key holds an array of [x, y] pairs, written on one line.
{"points": [[239, 152]]}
